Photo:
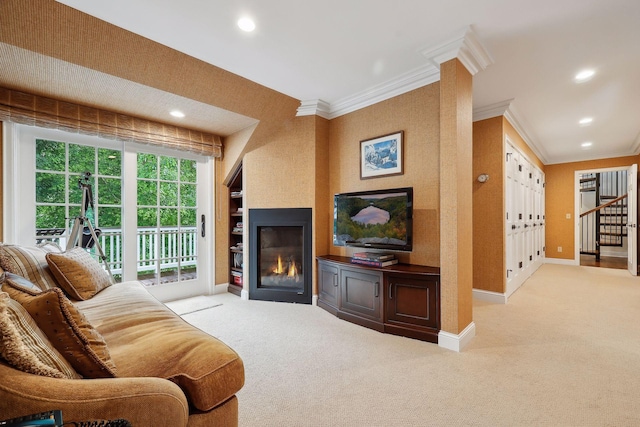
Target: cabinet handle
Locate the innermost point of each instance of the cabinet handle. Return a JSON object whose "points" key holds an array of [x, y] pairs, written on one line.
{"points": [[335, 280], [377, 294], [390, 290]]}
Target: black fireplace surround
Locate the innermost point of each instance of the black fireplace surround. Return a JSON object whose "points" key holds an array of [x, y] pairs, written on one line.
{"points": [[280, 267]]}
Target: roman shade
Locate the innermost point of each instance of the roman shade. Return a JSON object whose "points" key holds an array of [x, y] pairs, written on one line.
{"points": [[33, 110]]}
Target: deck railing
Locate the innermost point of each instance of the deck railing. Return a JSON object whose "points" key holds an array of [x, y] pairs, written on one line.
{"points": [[170, 246]]}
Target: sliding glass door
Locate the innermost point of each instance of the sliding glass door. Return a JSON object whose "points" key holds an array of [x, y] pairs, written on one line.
{"points": [[150, 205]]}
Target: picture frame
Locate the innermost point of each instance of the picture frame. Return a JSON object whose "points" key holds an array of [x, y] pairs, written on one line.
{"points": [[382, 156]]}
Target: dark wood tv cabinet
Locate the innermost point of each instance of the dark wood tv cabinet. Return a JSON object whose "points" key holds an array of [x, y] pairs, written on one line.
{"points": [[401, 299]]}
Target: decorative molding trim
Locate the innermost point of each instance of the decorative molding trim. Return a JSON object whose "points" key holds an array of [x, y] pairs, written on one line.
{"points": [[457, 342], [507, 109], [466, 46], [314, 107], [492, 110], [518, 123], [488, 296], [406, 82]]}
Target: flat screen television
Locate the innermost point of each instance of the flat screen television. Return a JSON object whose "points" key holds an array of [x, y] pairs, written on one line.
{"points": [[380, 219]]}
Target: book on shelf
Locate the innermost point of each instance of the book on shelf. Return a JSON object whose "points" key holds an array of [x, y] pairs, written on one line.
{"points": [[371, 263], [374, 256], [236, 193], [236, 273], [237, 229]]}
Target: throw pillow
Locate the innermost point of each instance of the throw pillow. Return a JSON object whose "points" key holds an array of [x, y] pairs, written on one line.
{"points": [[78, 273], [15, 285], [28, 262], [70, 333], [24, 346]]}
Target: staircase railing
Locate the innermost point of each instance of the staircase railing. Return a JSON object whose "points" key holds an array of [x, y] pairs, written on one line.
{"points": [[604, 225]]}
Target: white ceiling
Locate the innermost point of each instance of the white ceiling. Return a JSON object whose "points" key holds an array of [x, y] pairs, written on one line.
{"points": [[335, 50]]}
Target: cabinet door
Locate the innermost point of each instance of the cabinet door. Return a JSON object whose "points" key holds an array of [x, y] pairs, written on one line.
{"points": [[413, 301], [328, 289], [360, 293]]}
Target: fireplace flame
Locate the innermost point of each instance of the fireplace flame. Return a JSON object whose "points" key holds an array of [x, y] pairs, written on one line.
{"points": [[293, 271], [279, 269]]}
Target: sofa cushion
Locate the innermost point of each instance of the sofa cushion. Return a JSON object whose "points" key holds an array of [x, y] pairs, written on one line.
{"points": [[29, 262], [148, 339], [78, 273], [25, 346], [70, 332]]}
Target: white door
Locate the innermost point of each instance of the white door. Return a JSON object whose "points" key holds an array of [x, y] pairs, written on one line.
{"points": [[632, 220]]}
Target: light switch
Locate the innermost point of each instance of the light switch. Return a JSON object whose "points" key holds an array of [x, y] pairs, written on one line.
{"points": [[568, 216]]}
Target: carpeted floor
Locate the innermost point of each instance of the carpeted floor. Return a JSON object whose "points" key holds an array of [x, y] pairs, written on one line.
{"points": [[565, 351]]}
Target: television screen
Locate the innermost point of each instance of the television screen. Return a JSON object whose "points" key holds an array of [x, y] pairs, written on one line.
{"points": [[374, 219]]}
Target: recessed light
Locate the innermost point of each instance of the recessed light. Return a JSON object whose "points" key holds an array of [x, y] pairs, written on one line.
{"points": [[176, 113], [586, 121], [246, 24], [586, 144], [584, 75]]}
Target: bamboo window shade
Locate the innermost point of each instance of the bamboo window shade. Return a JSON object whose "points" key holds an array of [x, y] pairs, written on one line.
{"points": [[34, 110]]}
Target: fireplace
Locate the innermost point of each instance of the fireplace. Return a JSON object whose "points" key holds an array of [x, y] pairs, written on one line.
{"points": [[280, 255]]}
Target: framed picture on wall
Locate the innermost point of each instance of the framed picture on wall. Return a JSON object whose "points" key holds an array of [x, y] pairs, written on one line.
{"points": [[381, 156]]}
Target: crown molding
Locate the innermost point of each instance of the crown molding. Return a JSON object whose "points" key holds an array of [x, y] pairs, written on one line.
{"points": [[466, 46], [518, 124], [314, 107], [507, 109], [492, 110], [407, 82]]}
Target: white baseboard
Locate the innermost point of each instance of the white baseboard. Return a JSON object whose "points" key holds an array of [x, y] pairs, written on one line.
{"points": [[490, 296], [244, 294], [220, 288], [457, 342], [561, 261], [314, 299]]}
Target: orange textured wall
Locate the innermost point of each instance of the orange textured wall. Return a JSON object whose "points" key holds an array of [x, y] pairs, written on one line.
{"points": [[456, 199], [560, 201], [488, 206], [416, 113]]}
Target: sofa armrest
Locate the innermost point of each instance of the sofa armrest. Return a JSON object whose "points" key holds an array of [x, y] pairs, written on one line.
{"points": [[141, 401]]}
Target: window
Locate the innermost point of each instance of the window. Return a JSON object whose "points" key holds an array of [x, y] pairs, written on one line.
{"points": [[150, 204]]}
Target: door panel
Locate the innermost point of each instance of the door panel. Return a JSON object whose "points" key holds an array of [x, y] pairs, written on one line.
{"points": [[632, 220]]}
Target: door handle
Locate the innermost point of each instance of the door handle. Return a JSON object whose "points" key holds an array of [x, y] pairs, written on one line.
{"points": [[202, 232]]}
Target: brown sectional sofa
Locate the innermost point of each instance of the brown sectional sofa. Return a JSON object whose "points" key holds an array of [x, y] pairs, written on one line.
{"points": [[167, 372]]}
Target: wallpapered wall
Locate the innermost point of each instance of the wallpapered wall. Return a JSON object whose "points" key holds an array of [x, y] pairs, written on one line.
{"points": [[417, 114]]}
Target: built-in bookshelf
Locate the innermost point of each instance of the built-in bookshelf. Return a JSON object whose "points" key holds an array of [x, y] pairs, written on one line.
{"points": [[236, 228]]}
